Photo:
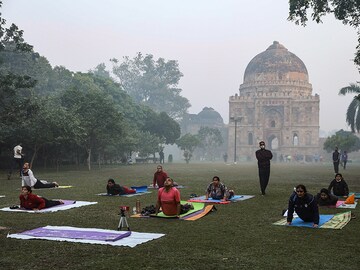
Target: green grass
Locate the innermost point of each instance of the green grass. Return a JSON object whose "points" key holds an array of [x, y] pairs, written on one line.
{"points": [[236, 236]]}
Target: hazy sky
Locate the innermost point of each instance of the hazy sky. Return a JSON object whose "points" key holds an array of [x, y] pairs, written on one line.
{"points": [[213, 41]]}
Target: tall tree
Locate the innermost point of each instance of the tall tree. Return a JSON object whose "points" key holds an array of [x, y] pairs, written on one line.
{"points": [[188, 143], [344, 140], [353, 111], [15, 89], [210, 139], [100, 121], [347, 11], [152, 83]]}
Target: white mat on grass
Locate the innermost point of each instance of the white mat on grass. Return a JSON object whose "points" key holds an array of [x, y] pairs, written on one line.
{"points": [[51, 209], [134, 239], [2, 196], [348, 206]]}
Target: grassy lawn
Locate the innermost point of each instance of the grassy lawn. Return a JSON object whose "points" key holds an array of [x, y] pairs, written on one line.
{"points": [[236, 236]]}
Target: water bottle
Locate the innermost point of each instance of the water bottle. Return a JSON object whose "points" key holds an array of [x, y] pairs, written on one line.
{"points": [[138, 207]]}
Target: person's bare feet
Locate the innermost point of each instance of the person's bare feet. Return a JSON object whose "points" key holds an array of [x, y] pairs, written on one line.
{"points": [[56, 184]]}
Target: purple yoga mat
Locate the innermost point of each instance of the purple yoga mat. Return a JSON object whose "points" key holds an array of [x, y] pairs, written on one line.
{"points": [[77, 234]]}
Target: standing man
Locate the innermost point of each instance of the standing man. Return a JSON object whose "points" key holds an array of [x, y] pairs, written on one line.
{"points": [[344, 158], [18, 160], [162, 157], [159, 177], [336, 160], [263, 156]]}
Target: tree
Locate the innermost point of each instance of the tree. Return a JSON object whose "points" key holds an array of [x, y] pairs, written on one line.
{"points": [[100, 121], [210, 139], [163, 126], [147, 144], [344, 10], [152, 83], [15, 89], [188, 143], [353, 111], [344, 140]]}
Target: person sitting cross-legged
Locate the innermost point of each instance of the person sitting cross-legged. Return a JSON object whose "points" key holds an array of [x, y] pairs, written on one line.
{"points": [[338, 186], [218, 191]]}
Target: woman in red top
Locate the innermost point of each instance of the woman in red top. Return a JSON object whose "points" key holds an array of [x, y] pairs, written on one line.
{"points": [[31, 201], [159, 177]]}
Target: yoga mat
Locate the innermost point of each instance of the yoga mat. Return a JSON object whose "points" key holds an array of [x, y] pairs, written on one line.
{"points": [[77, 234], [199, 214], [67, 205], [337, 221], [199, 211], [236, 198], [298, 222], [178, 187], [140, 189], [342, 204], [197, 207], [52, 188], [125, 195], [132, 240]]}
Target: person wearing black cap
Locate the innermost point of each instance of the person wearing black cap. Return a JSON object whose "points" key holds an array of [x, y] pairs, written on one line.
{"points": [[263, 156], [324, 198], [338, 186]]}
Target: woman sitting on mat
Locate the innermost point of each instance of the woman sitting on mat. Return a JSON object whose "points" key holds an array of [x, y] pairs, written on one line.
{"points": [[31, 201], [116, 189], [324, 198], [218, 191], [305, 206], [169, 200], [338, 186], [28, 179]]}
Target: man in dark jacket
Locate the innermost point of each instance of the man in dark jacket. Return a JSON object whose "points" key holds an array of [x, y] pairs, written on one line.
{"points": [[305, 206], [263, 156], [338, 186], [336, 160]]}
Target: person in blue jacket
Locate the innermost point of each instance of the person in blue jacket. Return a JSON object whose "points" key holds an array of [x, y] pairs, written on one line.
{"points": [[305, 206]]}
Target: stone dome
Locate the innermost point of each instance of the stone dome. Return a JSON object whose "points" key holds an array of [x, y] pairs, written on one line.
{"points": [[209, 115], [276, 64]]}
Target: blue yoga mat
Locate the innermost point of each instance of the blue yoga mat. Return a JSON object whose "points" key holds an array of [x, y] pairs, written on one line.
{"points": [[298, 222], [140, 189]]}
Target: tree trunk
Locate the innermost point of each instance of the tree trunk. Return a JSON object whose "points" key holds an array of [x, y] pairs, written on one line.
{"points": [[33, 156], [89, 158]]}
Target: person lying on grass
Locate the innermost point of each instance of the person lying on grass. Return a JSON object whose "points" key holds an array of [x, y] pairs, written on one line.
{"points": [[218, 191], [305, 206], [324, 198], [116, 189], [30, 201], [28, 179], [169, 200]]}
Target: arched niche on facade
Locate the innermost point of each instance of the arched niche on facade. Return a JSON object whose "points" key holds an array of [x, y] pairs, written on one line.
{"points": [[250, 138], [295, 140]]}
